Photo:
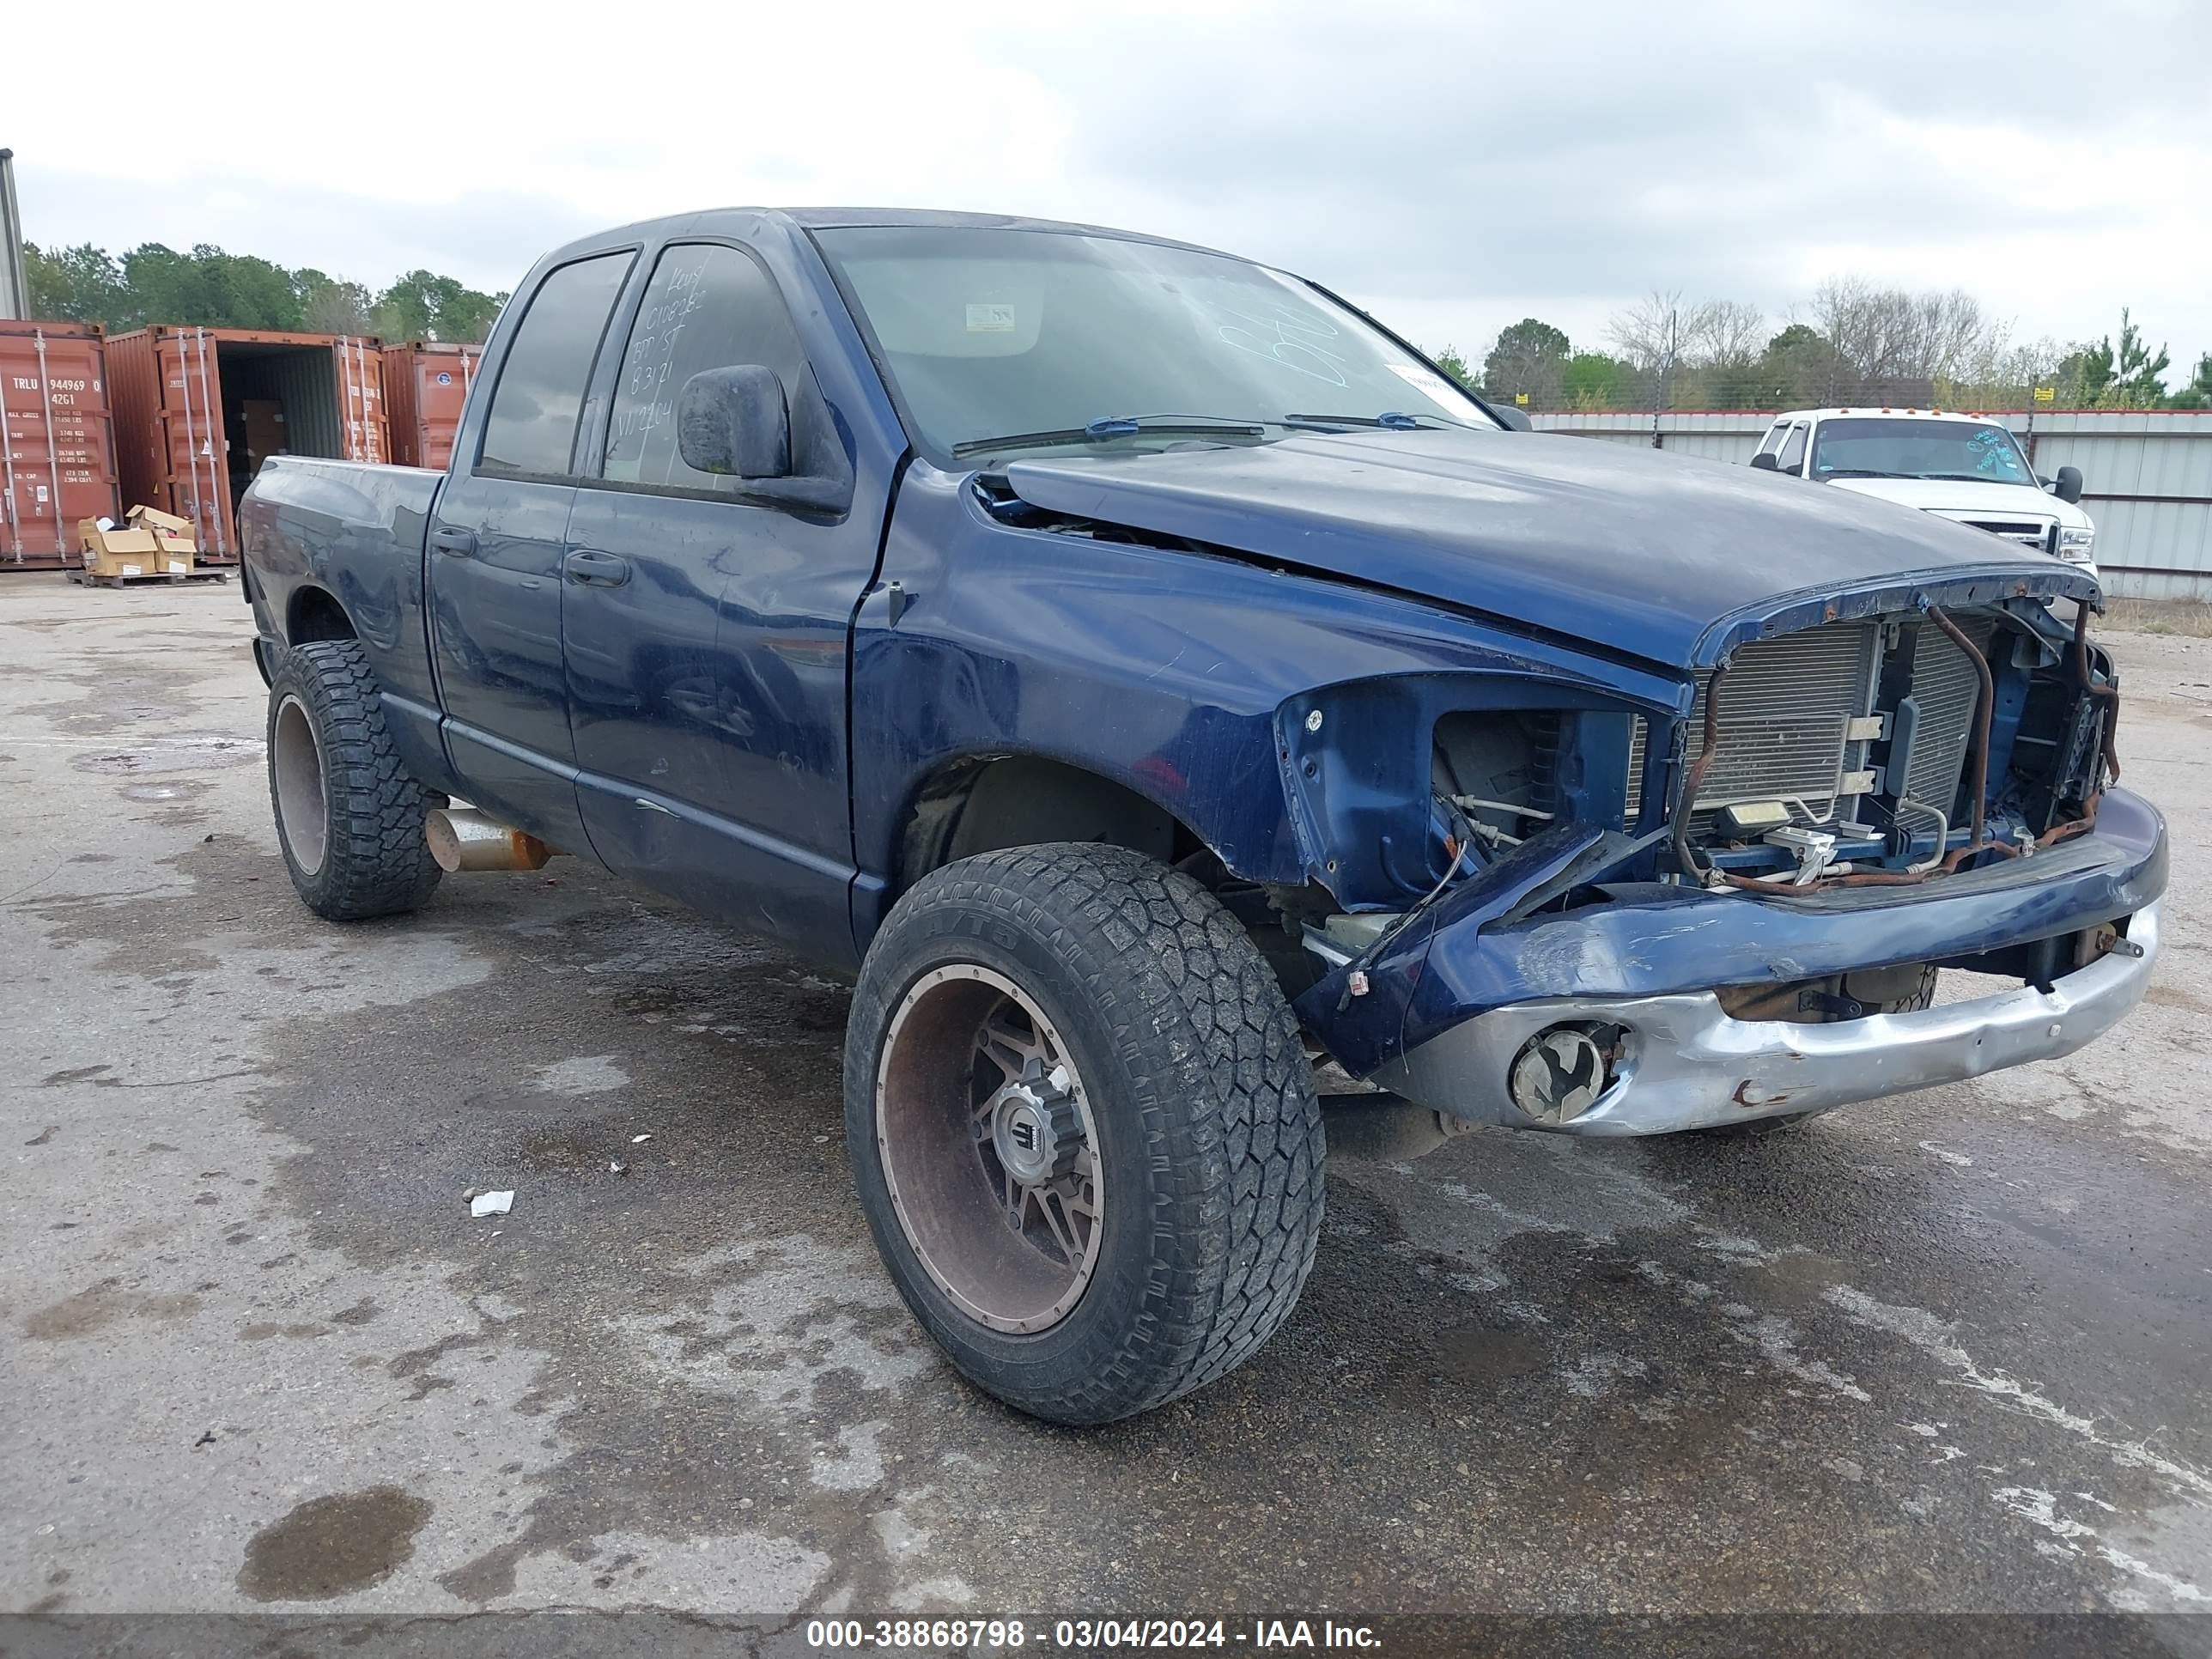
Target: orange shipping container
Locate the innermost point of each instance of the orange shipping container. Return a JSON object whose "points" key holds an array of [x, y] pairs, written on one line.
{"points": [[198, 410], [56, 446], [426, 384]]}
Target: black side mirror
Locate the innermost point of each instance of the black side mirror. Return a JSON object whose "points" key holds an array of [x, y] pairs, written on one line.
{"points": [[734, 422], [1516, 418], [2067, 484], [1764, 462]]}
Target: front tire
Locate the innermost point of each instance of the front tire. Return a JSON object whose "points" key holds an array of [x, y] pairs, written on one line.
{"points": [[349, 813], [1083, 1128]]}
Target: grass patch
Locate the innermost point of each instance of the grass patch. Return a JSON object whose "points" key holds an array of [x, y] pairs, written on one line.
{"points": [[2190, 617]]}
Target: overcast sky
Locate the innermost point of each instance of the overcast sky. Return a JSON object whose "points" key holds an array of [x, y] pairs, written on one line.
{"points": [[1452, 167]]}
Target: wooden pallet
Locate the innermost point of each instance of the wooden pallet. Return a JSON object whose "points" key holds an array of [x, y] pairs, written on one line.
{"points": [[84, 578]]}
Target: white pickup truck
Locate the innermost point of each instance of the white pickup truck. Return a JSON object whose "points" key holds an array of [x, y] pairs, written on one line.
{"points": [[1956, 466]]}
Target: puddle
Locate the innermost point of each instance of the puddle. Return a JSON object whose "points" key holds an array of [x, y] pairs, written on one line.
{"points": [[333, 1545]]}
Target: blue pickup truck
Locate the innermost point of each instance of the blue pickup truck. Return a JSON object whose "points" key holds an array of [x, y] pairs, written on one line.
{"points": [[1161, 690]]}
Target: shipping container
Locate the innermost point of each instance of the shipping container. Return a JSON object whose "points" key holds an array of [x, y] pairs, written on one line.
{"points": [[198, 410], [426, 382], [56, 442]]}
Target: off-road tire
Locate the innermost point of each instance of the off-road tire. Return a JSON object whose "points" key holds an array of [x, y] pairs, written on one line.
{"points": [[1210, 1134], [375, 861], [1785, 1122]]}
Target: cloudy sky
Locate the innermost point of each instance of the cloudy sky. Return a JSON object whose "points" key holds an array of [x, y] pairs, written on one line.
{"points": [[1452, 166]]}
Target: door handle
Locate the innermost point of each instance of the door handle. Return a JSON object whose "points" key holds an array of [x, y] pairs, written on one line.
{"points": [[588, 564], [447, 540]]}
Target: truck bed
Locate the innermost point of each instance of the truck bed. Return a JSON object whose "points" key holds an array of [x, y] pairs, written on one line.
{"points": [[314, 530]]}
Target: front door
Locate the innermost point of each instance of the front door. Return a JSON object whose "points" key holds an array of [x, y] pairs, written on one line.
{"points": [[497, 541], [705, 634]]}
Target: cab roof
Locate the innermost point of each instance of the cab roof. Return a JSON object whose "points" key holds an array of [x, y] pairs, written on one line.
{"points": [[1892, 412], [710, 221]]}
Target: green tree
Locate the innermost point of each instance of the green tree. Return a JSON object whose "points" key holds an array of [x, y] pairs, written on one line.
{"points": [[71, 284], [1453, 364], [424, 306], [2197, 394], [155, 283], [1800, 367], [1592, 380], [331, 304], [2121, 374], [1528, 357]]}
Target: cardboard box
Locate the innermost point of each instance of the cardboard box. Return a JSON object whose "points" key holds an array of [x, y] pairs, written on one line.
{"points": [[172, 538], [129, 552]]}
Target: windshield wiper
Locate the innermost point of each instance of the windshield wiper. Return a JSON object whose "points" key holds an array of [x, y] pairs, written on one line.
{"points": [[1855, 472], [1965, 477], [1119, 426], [1390, 420]]}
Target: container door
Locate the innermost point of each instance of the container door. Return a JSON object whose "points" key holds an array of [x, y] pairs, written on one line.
{"points": [[497, 541], [443, 380], [57, 459], [360, 400], [195, 465]]}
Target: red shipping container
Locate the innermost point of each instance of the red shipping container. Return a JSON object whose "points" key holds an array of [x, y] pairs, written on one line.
{"points": [[180, 397], [426, 385], [56, 442]]}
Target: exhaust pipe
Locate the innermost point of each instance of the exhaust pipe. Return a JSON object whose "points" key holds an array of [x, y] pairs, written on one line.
{"points": [[461, 839]]}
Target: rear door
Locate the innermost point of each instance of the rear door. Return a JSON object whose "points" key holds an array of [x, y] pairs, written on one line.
{"points": [[705, 633], [497, 540]]}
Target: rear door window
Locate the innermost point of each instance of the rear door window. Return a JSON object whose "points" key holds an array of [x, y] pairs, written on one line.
{"points": [[532, 426], [708, 306]]}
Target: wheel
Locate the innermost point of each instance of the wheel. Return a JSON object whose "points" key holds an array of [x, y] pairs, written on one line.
{"points": [[1083, 1128], [348, 814], [1894, 990]]}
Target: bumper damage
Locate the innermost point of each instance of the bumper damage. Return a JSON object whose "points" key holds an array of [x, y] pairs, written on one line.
{"points": [[1454, 1000]]}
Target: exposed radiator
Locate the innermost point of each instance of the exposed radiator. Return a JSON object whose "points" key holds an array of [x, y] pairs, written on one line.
{"points": [[1947, 688], [1786, 708]]}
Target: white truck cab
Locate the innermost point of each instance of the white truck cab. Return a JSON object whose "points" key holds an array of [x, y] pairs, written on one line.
{"points": [[1957, 466]]}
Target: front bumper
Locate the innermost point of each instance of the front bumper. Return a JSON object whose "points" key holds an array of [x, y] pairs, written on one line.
{"points": [[1687, 1065], [1452, 998]]}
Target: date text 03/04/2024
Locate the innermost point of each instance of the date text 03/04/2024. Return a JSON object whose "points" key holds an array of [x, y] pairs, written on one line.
{"points": [[1083, 1635]]}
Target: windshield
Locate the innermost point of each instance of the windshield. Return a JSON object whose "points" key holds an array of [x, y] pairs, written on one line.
{"points": [[1876, 448], [1043, 337]]}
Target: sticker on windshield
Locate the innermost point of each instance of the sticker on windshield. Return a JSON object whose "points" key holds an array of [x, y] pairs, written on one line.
{"points": [[1433, 385], [992, 318]]}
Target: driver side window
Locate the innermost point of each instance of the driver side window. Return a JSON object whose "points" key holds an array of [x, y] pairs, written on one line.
{"points": [[1792, 459], [708, 306]]}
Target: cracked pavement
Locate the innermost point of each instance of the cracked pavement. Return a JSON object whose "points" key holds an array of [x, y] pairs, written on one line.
{"points": [[1940, 1352]]}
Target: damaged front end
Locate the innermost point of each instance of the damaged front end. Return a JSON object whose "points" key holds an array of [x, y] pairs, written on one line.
{"points": [[1635, 923]]}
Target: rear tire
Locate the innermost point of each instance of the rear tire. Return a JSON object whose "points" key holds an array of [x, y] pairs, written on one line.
{"points": [[349, 813], [1166, 1070]]}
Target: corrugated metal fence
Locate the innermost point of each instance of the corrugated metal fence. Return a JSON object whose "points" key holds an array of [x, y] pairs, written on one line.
{"points": [[2147, 478]]}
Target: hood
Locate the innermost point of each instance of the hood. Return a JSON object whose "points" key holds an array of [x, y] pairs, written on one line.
{"points": [[1656, 556], [1951, 495]]}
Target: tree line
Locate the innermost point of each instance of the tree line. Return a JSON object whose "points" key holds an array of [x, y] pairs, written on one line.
{"points": [[208, 287], [1854, 342]]}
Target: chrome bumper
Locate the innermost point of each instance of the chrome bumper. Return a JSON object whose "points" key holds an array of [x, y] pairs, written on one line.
{"points": [[1687, 1065]]}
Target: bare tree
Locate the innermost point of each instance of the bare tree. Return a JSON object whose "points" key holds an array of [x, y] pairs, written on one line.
{"points": [[1889, 334], [1725, 334], [1650, 333]]}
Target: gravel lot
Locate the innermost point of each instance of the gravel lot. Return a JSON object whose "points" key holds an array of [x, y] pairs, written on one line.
{"points": [[1942, 1353]]}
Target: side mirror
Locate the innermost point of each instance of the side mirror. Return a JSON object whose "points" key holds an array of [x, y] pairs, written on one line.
{"points": [[2067, 484], [1764, 462], [735, 422], [1516, 418]]}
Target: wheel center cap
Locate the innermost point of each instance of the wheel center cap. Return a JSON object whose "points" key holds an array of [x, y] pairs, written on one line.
{"points": [[1036, 1135]]}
